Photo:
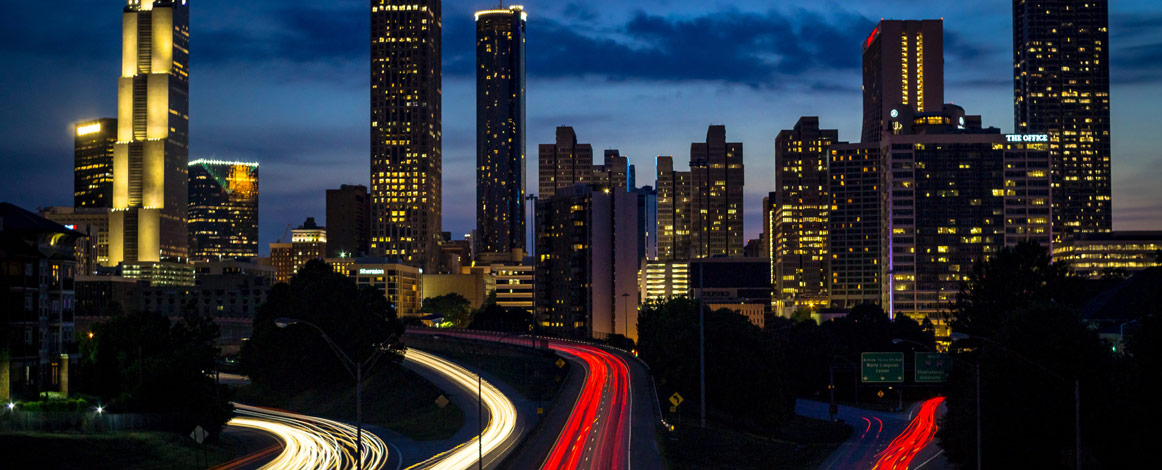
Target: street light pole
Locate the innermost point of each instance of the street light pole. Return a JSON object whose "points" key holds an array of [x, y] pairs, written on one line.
{"points": [[353, 368]]}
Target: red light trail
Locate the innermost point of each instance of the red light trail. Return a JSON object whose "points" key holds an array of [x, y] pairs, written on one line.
{"points": [[919, 433]]}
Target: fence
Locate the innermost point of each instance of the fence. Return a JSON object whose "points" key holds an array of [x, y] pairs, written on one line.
{"points": [[87, 422]]}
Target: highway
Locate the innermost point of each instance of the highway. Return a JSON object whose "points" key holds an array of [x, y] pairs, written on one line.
{"points": [[919, 433], [601, 431], [497, 434], [307, 442]]}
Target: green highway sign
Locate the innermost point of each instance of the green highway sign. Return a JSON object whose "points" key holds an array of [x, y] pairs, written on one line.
{"points": [[882, 367], [932, 367]]}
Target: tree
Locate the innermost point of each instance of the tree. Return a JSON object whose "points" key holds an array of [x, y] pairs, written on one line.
{"points": [[140, 363], [358, 319], [492, 317], [744, 383], [454, 307], [1016, 277]]}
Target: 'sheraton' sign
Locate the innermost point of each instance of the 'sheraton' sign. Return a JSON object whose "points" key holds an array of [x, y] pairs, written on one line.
{"points": [[1027, 137]]}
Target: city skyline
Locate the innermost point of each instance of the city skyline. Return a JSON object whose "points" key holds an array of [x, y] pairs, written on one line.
{"points": [[631, 109]]}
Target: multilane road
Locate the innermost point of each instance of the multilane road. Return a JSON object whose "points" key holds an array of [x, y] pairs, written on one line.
{"points": [[308, 442], [919, 433]]}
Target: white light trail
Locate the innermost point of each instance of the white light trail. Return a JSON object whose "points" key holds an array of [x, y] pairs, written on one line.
{"points": [[501, 413], [309, 442]]}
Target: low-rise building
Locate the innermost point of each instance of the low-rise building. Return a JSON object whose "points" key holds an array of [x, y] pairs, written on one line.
{"points": [[1098, 254], [400, 284]]}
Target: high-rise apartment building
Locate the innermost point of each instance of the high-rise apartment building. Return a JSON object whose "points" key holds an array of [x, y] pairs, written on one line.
{"points": [[854, 227], [612, 173], [500, 129], [716, 182], [564, 163], [223, 198], [673, 210], [801, 211], [405, 131], [1061, 75], [587, 266], [348, 221], [149, 209], [93, 162], [903, 64]]}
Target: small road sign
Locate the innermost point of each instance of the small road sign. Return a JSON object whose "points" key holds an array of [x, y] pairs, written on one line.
{"points": [[560, 363], [199, 435], [882, 367], [442, 401], [676, 399]]}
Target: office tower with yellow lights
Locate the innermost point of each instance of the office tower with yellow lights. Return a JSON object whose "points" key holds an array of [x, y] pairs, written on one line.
{"points": [[673, 210], [903, 65], [564, 163], [801, 211], [223, 198], [716, 182], [1061, 75], [500, 129], [405, 131], [148, 219], [93, 162]]}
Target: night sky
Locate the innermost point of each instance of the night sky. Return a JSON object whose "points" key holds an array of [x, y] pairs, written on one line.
{"points": [[285, 83]]}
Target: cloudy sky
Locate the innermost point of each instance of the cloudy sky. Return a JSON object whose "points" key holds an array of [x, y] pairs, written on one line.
{"points": [[285, 83]]}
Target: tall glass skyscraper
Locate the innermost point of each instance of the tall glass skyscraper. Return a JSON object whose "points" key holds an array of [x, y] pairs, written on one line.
{"points": [[500, 129], [93, 163], [223, 209], [148, 218], [1061, 87], [903, 64], [405, 131]]}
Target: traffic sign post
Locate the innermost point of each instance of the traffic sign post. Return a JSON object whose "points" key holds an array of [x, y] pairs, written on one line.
{"points": [[882, 367], [932, 367], [675, 400]]}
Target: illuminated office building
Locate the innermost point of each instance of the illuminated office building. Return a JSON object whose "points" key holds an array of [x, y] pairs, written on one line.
{"points": [[801, 211], [149, 208], [405, 131], [661, 280], [946, 183], [903, 64], [1094, 255], [93, 162], [223, 198], [92, 250], [673, 210], [564, 163], [854, 225], [612, 173], [308, 242], [500, 129], [716, 182], [1061, 76]]}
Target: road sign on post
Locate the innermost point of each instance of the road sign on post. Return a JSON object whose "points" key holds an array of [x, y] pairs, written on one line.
{"points": [[882, 367], [676, 399], [932, 367]]}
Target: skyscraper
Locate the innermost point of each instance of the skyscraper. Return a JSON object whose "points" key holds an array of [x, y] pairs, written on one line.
{"points": [[1061, 76], [149, 208], [348, 221], [500, 129], [854, 224], [612, 173], [223, 215], [405, 131], [903, 64], [801, 210], [564, 163], [673, 210], [93, 163], [716, 180]]}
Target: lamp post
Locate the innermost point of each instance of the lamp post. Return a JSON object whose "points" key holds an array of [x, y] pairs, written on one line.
{"points": [[353, 368], [977, 370], [1076, 386]]}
